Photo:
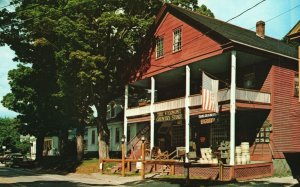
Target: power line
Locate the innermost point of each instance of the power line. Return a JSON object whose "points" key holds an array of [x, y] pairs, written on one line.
{"points": [[207, 32], [245, 11], [279, 15]]}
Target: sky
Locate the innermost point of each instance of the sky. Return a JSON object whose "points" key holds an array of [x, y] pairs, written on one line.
{"points": [[222, 9]]}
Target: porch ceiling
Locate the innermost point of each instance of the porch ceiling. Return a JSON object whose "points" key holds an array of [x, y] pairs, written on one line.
{"points": [[214, 65]]}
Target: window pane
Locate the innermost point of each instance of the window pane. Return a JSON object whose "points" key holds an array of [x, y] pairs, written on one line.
{"points": [[117, 140], [159, 47], [177, 40], [93, 137]]}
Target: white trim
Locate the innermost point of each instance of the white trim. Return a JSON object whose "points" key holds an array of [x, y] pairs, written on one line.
{"points": [[152, 113], [265, 50], [232, 106], [125, 116], [187, 112]]}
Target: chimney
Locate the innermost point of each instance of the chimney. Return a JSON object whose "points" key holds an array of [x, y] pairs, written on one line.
{"points": [[260, 29]]}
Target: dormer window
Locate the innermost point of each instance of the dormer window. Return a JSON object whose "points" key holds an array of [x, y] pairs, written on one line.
{"points": [[177, 40], [159, 47]]}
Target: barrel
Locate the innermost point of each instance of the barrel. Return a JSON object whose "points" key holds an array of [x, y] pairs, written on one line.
{"points": [[244, 159], [245, 147], [238, 150], [238, 159]]}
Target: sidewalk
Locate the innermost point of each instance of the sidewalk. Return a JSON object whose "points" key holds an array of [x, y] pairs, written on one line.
{"points": [[288, 181], [154, 180]]}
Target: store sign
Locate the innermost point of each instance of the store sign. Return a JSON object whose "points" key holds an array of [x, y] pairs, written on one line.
{"points": [[169, 115], [138, 165], [208, 118]]}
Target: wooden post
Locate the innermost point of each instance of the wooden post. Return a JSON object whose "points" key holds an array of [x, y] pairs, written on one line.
{"points": [[129, 166], [143, 160], [172, 169], [123, 159], [221, 171]]}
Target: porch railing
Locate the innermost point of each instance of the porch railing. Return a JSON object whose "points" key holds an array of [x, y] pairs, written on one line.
{"points": [[195, 100], [253, 96], [170, 104]]}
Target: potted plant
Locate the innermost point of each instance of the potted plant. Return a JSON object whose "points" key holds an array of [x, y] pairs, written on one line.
{"points": [[143, 102]]}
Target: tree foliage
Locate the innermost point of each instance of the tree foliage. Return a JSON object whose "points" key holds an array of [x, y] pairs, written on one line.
{"points": [[205, 11], [10, 136], [81, 54]]}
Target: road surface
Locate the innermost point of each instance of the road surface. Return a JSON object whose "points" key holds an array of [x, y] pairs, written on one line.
{"points": [[18, 177]]}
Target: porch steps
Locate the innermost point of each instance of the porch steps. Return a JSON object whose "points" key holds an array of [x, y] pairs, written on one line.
{"points": [[135, 144]]}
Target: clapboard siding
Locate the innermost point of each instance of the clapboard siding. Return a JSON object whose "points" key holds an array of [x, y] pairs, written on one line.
{"points": [[285, 112], [195, 46]]}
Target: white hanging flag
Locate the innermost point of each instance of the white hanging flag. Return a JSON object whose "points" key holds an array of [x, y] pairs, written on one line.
{"points": [[209, 93]]}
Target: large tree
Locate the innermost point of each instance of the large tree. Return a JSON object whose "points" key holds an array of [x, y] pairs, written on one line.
{"points": [[34, 81], [93, 47]]}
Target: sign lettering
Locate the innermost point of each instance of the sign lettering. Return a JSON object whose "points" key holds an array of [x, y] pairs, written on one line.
{"points": [[169, 115], [207, 118]]}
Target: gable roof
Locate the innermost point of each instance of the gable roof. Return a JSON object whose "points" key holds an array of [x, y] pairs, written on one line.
{"points": [[295, 29], [233, 33]]}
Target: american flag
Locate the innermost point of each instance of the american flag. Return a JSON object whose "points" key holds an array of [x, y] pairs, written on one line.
{"points": [[209, 94]]}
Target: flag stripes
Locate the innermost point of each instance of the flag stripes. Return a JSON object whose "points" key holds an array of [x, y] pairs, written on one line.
{"points": [[209, 93]]}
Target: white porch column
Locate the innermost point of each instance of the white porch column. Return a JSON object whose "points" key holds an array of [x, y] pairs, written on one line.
{"points": [[125, 117], [152, 113], [187, 112], [232, 106]]}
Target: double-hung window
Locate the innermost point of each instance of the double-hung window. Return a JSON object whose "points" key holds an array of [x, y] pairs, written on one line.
{"points": [[117, 137], [93, 137], [177, 39], [159, 47], [296, 85]]}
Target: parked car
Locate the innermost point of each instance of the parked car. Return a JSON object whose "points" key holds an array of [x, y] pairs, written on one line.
{"points": [[2, 158], [17, 159]]}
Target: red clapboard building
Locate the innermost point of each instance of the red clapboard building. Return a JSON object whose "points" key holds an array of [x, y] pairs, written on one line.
{"points": [[258, 96]]}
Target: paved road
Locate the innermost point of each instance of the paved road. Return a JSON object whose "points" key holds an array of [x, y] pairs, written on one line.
{"points": [[18, 177]]}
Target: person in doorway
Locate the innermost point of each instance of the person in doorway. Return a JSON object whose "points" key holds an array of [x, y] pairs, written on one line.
{"points": [[197, 142]]}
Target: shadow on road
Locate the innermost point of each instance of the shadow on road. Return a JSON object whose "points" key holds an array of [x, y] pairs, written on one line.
{"points": [[197, 183], [53, 184]]}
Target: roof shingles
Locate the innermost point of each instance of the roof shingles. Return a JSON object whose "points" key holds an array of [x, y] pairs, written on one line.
{"points": [[238, 34]]}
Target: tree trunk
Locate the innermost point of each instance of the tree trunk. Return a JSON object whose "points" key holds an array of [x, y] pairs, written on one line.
{"points": [[103, 132], [79, 142], [39, 147]]}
